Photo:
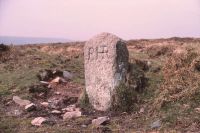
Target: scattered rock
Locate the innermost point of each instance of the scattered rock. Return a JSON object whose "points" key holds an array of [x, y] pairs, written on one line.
{"points": [[57, 93], [45, 104], [70, 108], [44, 82], [156, 124], [47, 75], [100, 121], [84, 126], [38, 121], [56, 80], [30, 107], [56, 112], [54, 103], [197, 110], [20, 101], [73, 114], [67, 75], [141, 110]]}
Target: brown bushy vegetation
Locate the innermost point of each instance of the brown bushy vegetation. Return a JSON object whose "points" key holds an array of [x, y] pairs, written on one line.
{"points": [[181, 78]]}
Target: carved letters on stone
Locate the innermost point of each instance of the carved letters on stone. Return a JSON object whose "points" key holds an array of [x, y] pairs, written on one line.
{"points": [[99, 52]]}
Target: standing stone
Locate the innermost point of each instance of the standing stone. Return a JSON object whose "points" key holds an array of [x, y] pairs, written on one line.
{"points": [[106, 64]]}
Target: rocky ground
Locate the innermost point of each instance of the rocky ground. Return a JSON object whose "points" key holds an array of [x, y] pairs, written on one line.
{"points": [[42, 89]]}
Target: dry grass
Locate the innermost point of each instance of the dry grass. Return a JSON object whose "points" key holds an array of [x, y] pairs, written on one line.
{"points": [[181, 78]]}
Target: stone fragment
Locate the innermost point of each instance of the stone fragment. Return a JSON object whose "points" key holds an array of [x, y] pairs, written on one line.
{"points": [[73, 114], [57, 93], [156, 124], [56, 80], [44, 82], [67, 75], [197, 110], [56, 112], [30, 107], [141, 110], [100, 121], [38, 121], [20, 101], [69, 108], [45, 104], [106, 64]]}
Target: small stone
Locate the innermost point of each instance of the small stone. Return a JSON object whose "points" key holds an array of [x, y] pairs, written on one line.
{"points": [[20, 101], [67, 75], [56, 112], [70, 108], [100, 121], [57, 93], [84, 126], [73, 114], [56, 80], [141, 110], [44, 82], [197, 110], [156, 124], [30, 107], [38, 121], [45, 104]]}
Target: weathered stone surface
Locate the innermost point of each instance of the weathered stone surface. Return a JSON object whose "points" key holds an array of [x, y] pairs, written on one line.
{"points": [[73, 114], [38, 121], [56, 112], [45, 104], [30, 107], [106, 64], [20, 101], [67, 75], [100, 120]]}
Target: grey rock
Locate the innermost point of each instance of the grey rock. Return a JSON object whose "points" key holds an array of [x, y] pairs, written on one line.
{"points": [[45, 104], [20, 101], [56, 112], [67, 75], [30, 107], [106, 64], [70, 108], [100, 121], [38, 121], [156, 124], [84, 126], [73, 114]]}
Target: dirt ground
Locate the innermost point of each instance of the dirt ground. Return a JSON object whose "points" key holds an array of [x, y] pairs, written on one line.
{"points": [[168, 103]]}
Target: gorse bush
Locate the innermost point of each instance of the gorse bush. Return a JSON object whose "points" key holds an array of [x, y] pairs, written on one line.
{"points": [[181, 78]]}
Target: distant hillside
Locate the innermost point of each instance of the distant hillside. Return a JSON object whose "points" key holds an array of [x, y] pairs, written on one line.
{"points": [[29, 40]]}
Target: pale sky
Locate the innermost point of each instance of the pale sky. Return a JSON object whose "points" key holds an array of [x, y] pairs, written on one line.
{"points": [[82, 19]]}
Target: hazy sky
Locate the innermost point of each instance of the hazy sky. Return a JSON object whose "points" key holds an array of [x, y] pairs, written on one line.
{"points": [[81, 19]]}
